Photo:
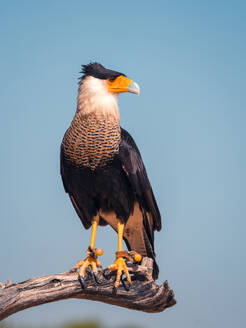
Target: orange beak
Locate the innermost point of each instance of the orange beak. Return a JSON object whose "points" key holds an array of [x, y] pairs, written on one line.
{"points": [[123, 84]]}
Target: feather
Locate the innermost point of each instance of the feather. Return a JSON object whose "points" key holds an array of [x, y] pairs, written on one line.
{"points": [[118, 190]]}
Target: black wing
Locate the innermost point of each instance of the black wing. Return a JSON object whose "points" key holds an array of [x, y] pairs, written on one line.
{"points": [[146, 216], [133, 166], [78, 189]]}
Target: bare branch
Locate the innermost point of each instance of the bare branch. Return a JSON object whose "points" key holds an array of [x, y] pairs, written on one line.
{"points": [[144, 294]]}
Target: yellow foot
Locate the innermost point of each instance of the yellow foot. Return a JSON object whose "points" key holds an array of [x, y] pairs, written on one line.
{"points": [[90, 261], [120, 266]]}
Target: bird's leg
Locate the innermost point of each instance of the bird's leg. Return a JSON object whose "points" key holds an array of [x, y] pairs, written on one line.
{"points": [[92, 255], [120, 263]]}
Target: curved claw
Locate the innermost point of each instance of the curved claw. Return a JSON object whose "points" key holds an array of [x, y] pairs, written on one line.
{"points": [[127, 288], [91, 262], [82, 282], [97, 280], [120, 267]]}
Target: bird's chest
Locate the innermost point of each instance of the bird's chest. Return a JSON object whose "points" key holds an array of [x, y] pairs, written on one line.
{"points": [[92, 142]]}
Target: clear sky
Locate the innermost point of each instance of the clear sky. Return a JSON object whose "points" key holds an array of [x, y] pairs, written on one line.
{"points": [[189, 122]]}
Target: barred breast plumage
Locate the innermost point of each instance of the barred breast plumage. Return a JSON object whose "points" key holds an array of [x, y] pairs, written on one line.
{"points": [[91, 141]]}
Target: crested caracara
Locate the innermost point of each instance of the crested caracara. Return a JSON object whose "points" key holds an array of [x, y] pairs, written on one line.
{"points": [[103, 172]]}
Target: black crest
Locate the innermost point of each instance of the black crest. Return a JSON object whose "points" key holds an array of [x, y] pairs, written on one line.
{"points": [[98, 71]]}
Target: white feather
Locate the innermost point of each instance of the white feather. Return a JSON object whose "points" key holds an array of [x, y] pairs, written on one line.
{"points": [[94, 97]]}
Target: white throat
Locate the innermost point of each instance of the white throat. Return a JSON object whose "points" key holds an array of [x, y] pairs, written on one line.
{"points": [[94, 98]]}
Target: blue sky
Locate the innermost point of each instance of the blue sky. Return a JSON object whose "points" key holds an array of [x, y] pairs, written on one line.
{"points": [[189, 122]]}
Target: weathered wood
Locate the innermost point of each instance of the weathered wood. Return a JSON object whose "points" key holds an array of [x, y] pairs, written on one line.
{"points": [[144, 294]]}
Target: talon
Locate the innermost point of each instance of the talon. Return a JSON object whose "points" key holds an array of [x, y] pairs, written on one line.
{"points": [[82, 282], [97, 280], [90, 262], [120, 266], [127, 288]]}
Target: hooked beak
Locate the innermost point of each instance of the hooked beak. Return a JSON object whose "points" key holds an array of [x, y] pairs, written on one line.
{"points": [[123, 84], [134, 88]]}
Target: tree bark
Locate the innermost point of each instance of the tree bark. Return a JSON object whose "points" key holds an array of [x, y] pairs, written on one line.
{"points": [[143, 295]]}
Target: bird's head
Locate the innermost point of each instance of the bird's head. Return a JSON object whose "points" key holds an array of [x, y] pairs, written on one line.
{"points": [[99, 88], [113, 81]]}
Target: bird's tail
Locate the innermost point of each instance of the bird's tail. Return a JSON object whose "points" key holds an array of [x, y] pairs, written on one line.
{"points": [[148, 252], [139, 236]]}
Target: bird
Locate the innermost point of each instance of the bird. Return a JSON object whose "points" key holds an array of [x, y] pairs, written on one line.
{"points": [[104, 175]]}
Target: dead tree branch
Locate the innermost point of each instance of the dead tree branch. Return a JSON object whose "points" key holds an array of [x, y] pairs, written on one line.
{"points": [[144, 294]]}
